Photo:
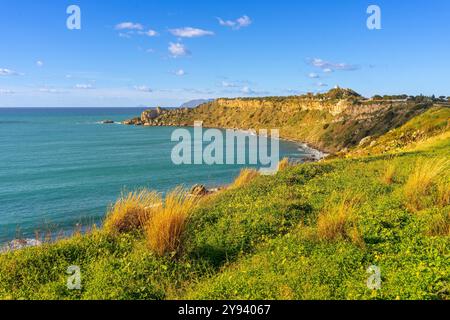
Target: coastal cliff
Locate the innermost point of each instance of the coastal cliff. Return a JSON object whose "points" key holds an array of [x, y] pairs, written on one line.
{"points": [[334, 121]]}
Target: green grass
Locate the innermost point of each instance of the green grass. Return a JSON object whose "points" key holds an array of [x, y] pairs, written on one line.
{"points": [[261, 241]]}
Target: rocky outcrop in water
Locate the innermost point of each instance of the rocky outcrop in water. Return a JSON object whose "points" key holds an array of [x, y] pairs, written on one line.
{"points": [[18, 244]]}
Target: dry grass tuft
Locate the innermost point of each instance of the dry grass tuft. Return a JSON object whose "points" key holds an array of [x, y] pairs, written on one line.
{"points": [[283, 164], [245, 177], [165, 228], [131, 212], [439, 225], [443, 192], [389, 174], [421, 180], [338, 221]]}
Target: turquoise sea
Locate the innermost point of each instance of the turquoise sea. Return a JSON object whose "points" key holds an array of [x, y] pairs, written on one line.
{"points": [[62, 167]]}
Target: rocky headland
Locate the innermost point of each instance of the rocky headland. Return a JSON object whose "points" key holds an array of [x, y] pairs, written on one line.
{"points": [[332, 122]]}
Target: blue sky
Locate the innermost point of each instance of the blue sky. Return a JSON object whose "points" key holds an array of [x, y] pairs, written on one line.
{"points": [[141, 52]]}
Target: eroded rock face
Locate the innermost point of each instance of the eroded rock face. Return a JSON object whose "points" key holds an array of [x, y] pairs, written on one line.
{"points": [[149, 115], [286, 105], [134, 121]]}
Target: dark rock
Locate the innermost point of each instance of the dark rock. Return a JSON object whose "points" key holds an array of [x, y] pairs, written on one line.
{"points": [[199, 190]]}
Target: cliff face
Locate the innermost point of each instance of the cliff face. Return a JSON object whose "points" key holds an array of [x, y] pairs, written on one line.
{"points": [[152, 114], [286, 105], [333, 121]]}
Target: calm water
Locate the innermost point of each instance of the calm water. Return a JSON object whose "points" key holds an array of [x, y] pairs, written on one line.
{"points": [[60, 167]]}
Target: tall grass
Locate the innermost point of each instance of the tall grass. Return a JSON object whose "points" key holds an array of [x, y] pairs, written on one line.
{"points": [[388, 174], [337, 221], [443, 192], [165, 228], [420, 182], [132, 211], [439, 225], [283, 164], [245, 177]]}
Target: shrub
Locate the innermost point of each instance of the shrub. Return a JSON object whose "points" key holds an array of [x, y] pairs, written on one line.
{"points": [[338, 222], [246, 176], [131, 212], [283, 164], [420, 181], [165, 228]]}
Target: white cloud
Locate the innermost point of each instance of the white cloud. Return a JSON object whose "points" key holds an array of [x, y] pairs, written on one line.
{"points": [[51, 90], [178, 49], [247, 90], [83, 86], [227, 84], [124, 35], [321, 84], [8, 72], [244, 21], [237, 24], [39, 63], [313, 75], [6, 91], [149, 33], [143, 88], [331, 66], [189, 32], [327, 70], [129, 26], [179, 72]]}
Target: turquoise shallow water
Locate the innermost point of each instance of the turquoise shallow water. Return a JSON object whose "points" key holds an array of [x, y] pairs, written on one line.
{"points": [[60, 167]]}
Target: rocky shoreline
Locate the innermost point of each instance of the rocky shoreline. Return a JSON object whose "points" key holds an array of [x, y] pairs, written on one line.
{"points": [[151, 118]]}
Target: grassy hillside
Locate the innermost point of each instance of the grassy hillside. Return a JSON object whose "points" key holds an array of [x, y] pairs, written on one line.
{"points": [[309, 232], [434, 122]]}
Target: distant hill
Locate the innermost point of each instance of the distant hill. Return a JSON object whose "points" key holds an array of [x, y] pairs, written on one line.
{"points": [[195, 103]]}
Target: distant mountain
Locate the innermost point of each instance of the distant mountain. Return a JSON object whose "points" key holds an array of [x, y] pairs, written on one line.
{"points": [[195, 103]]}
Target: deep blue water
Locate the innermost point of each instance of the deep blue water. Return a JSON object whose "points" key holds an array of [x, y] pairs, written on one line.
{"points": [[60, 167]]}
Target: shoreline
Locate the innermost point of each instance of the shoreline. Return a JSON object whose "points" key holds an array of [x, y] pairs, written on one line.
{"points": [[316, 153], [312, 155]]}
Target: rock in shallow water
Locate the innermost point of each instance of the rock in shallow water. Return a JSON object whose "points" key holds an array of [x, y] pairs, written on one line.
{"points": [[18, 244]]}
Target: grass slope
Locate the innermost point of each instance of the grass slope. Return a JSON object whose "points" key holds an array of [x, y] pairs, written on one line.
{"points": [[309, 232]]}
